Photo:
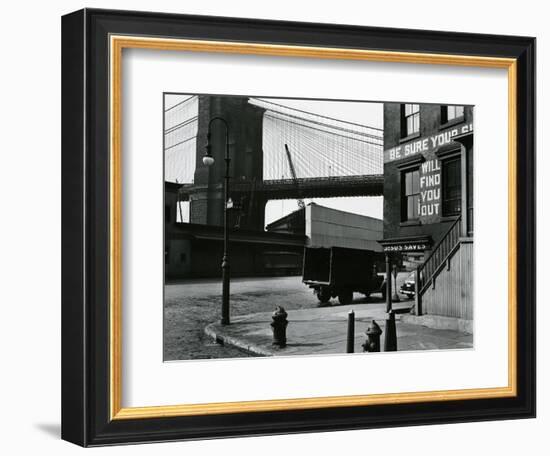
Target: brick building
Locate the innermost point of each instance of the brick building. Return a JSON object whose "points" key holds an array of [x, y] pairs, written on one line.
{"points": [[428, 202]]}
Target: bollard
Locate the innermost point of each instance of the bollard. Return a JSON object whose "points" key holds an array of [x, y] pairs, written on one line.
{"points": [[279, 325], [390, 341], [373, 332], [351, 332]]}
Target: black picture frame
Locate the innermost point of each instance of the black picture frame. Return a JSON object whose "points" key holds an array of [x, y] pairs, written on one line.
{"points": [[86, 415]]}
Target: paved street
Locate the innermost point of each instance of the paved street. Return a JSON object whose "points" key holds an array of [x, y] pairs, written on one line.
{"points": [[192, 305]]}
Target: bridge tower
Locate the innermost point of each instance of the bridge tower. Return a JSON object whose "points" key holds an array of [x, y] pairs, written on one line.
{"points": [[245, 149]]}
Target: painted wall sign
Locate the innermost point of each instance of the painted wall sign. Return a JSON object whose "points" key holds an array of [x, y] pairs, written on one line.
{"points": [[427, 144], [429, 201]]}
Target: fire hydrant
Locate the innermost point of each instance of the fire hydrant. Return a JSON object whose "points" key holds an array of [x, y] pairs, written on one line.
{"points": [[373, 332], [279, 325]]}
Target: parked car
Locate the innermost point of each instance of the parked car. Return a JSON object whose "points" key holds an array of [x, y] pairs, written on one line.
{"points": [[408, 287]]}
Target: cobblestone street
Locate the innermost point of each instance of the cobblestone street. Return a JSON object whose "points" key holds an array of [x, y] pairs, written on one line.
{"points": [[191, 305]]}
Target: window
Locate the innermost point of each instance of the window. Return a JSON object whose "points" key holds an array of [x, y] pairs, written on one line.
{"points": [[452, 186], [182, 212], [449, 113], [410, 114], [410, 181]]}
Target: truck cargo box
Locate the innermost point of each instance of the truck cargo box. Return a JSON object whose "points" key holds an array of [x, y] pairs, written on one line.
{"points": [[339, 271]]}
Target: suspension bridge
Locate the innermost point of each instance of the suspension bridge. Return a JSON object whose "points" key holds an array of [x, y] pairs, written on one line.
{"points": [[277, 151]]}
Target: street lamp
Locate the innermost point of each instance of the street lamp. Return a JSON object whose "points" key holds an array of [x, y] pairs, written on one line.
{"points": [[208, 160]]}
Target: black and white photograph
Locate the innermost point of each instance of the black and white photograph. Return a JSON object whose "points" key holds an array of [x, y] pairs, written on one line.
{"points": [[316, 227], [274, 228]]}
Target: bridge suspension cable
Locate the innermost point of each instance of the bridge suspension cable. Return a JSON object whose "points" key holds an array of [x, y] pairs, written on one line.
{"points": [[180, 140], [322, 146], [278, 106]]}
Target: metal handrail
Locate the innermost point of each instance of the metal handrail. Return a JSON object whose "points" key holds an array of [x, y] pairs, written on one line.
{"points": [[440, 253]]}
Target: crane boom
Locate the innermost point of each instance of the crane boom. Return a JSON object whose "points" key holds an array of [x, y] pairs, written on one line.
{"points": [[301, 203]]}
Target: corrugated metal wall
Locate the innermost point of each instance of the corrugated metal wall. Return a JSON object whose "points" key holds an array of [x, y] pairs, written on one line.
{"points": [[453, 291]]}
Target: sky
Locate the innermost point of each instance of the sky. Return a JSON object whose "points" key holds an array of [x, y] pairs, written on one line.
{"points": [[172, 99], [369, 114]]}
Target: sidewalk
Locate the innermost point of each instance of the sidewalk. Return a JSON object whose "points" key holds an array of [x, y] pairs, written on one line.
{"points": [[323, 330]]}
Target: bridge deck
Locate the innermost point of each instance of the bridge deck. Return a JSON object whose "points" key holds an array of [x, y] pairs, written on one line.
{"points": [[312, 187]]}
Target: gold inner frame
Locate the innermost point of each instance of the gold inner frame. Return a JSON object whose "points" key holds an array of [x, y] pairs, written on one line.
{"points": [[117, 44]]}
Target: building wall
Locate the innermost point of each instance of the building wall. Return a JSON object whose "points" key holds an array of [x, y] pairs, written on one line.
{"points": [[177, 251], [196, 250], [436, 141], [178, 257], [397, 151], [326, 227], [451, 294], [293, 223], [190, 256], [247, 259]]}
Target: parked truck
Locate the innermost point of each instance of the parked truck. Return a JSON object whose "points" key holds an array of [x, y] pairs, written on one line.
{"points": [[339, 272]]}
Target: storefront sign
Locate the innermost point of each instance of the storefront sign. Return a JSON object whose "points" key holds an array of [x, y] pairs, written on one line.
{"points": [[426, 144], [408, 247]]}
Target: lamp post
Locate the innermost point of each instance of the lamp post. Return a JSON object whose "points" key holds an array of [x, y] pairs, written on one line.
{"points": [[208, 160]]}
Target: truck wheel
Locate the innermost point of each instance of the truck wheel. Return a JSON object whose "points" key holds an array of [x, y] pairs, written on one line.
{"points": [[323, 295], [345, 297]]}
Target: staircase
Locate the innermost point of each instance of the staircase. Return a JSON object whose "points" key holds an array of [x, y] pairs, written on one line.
{"points": [[445, 278]]}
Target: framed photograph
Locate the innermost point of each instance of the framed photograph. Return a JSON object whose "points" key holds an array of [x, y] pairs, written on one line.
{"points": [[278, 227]]}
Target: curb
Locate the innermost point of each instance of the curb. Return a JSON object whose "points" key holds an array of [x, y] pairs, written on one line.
{"points": [[212, 330]]}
